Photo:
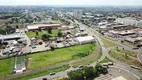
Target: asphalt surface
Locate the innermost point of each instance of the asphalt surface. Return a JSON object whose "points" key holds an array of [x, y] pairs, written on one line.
{"points": [[140, 56], [104, 54]]}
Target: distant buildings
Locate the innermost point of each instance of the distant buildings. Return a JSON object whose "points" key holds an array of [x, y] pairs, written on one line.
{"points": [[78, 14], [129, 21]]}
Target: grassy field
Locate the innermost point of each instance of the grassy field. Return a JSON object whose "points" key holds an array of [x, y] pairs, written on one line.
{"points": [[43, 59], [120, 55], [91, 60], [106, 60], [6, 66], [42, 73], [32, 34], [107, 43]]}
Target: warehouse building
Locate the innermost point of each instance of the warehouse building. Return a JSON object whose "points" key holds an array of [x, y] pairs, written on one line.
{"points": [[42, 26], [10, 37], [85, 39]]}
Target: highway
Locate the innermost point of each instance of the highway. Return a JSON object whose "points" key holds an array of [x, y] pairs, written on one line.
{"points": [[104, 54]]}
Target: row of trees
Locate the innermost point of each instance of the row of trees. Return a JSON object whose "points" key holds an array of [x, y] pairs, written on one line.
{"points": [[47, 36], [86, 73]]}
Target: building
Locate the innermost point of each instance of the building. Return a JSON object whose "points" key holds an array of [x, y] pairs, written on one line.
{"points": [[127, 21], [78, 14], [42, 26], [126, 33], [85, 39], [10, 37]]}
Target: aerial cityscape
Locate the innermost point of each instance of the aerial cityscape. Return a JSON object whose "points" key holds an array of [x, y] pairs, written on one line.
{"points": [[71, 40]]}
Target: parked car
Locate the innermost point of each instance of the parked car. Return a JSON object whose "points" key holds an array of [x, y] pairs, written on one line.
{"points": [[135, 67], [110, 63]]}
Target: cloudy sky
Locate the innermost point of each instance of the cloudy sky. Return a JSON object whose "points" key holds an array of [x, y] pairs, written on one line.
{"points": [[71, 2]]}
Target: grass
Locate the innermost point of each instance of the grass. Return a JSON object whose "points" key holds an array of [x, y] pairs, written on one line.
{"points": [[20, 59], [105, 60], [95, 58], [32, 34], [41, 73], [55, 21], [107, 43], [6, 67], [120, 55], [43, 59]]}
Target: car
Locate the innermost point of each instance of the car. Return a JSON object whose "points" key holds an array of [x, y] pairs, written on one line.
{"points": [[135, 67], [110, 63], [52, 73]]}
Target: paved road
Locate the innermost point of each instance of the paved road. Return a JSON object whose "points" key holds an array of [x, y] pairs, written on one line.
{"points": [[140, 56], [105, 54]]}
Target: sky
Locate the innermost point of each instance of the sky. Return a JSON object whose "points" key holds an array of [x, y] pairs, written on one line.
{"points": [[73, 2]]}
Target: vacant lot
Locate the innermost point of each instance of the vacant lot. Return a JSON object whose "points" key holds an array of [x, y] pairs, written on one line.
{"points": [[107, 43], [105, 60], [6, 66], [125, 56], [32, 34], [43, 59]]}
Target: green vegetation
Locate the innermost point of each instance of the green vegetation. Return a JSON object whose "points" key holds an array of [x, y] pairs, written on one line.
{"points": [[86, 73], [107, 43], [105, 60], [20, 59], [55, 22], [6, 67], [90, 60], [125, 56], [32, 34], [42, 59], [41, 73]]}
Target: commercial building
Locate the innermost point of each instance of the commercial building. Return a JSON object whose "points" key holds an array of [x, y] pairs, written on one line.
{"points": [[85, 39], [126, 33], [78, 14], [42, 26], [129, 21], [10, 37]]}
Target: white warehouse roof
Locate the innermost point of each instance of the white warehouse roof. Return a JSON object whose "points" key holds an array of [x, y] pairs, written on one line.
{"points": [[37, 26], [85, 39], [11, 36]]}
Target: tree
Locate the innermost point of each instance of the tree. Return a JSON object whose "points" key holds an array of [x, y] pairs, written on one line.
{"points": [[36, 33], [96, 74], [76, 75], [88, 71], [100, 69], [45, 37], [59, 34], [50, 30]]}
